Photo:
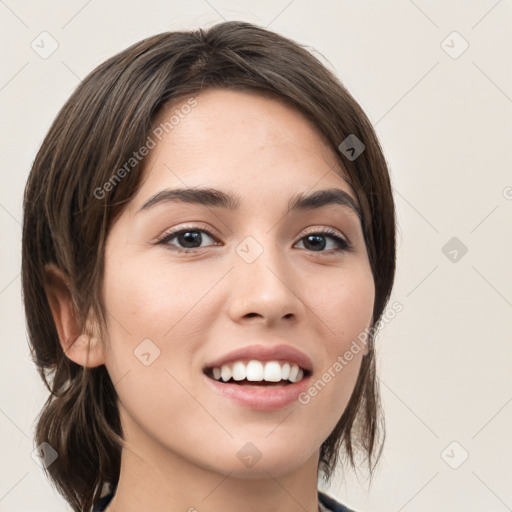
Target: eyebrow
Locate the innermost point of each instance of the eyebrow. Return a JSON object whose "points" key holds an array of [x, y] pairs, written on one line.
{"points": [[219, 199]]}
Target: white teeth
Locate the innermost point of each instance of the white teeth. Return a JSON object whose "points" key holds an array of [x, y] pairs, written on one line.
{"points": [[294, 371], [225, 372], [254, 371], [285, 369], [270, 371], [239, 371]]}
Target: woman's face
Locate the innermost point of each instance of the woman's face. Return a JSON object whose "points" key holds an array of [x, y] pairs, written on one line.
{"points": [[257, 275]]}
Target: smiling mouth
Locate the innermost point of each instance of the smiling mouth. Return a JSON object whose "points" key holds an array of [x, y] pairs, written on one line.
{"points": [[257, 373]]}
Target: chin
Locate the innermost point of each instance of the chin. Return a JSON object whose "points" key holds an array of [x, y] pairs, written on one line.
{"points": [[260, 464]]}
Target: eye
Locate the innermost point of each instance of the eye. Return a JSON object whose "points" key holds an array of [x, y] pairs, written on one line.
{"points": [[192, 238], [316, 241], [188, 239]]}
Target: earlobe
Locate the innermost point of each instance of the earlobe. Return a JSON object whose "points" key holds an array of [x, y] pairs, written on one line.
{"points": [[82, 348]]}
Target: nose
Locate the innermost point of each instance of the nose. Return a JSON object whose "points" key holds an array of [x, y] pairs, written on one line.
{"points": [[264, 290]]}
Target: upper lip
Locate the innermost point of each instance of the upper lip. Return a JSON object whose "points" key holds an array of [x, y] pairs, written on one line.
{"points": [[265, 353]]}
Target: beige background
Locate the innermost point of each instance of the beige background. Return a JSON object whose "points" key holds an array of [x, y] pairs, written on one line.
{"points": [[445, 122]]}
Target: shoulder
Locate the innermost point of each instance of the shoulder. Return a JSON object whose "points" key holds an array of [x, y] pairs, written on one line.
{"points": [[330, 504]]}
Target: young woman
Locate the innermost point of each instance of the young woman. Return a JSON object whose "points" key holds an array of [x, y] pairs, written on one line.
{"points": [[208, 246]]}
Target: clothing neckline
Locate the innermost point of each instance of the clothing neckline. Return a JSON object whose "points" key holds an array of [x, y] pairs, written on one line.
{"points": [[326, 503]]}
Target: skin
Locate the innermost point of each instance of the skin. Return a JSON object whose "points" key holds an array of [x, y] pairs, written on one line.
{"points": [[182, 438]]}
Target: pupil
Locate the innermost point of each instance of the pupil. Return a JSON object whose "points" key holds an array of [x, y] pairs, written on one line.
{"points": [[190, 238], [316, 239]]}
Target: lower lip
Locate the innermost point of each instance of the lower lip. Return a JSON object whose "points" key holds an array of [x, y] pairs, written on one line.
{"points": [[261, 398]]}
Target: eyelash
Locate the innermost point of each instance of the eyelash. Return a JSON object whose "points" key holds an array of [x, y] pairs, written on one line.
{"points": [[343, 245]]}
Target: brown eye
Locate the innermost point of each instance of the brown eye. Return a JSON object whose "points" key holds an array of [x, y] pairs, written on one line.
{"points": [[186, 240], [318, 241]]}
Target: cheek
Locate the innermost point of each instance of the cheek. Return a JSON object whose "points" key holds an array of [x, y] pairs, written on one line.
{"points": [[154, 299], [344, 304], [345, 308], [157, 308], [156, 319]]}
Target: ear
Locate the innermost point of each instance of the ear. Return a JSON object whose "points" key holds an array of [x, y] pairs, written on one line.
{"points": [[84, 348]]}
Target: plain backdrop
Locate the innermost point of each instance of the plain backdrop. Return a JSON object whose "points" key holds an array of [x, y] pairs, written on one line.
{"points": [[435, 79]]}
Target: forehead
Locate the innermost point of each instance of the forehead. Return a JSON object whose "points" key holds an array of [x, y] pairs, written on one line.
{"points": [[218, 111], [255, 144]]}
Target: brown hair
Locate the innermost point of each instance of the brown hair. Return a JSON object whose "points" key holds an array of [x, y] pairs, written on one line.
{"points": [[106, 119]]}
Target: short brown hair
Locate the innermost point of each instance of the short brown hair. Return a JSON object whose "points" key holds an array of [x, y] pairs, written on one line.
{"points": [[105, 120]]}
